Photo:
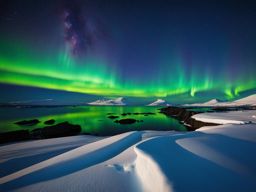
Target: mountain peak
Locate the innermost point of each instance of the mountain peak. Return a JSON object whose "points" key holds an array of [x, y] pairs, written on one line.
{"points": [[159, 102], [116, 101], [249, 100]]}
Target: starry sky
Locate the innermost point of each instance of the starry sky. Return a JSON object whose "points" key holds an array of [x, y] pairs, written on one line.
{"points": [[180, 50]]}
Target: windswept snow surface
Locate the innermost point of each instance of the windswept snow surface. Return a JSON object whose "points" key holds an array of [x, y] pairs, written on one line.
{"points": [[159, 102], [247, 101], [230, 117], [219, 158], [117, 101], [23, 154], [214, 158]]}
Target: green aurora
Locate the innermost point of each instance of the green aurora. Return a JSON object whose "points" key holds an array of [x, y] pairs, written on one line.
{"points": [[20, 65], [142, 50]]}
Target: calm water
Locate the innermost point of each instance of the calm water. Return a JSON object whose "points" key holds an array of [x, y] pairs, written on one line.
{"points": [[92, 119]]}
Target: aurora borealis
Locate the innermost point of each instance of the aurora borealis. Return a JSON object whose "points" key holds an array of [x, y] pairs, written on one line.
{"points": [[135, 49]]}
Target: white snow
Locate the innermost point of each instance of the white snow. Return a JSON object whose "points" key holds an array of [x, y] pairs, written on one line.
{"points": [[24, 154], [247, 101], [117, 101], [105, 165], [159, 102], [214, 158], [250, 100], [219, 158], [150, 173], [208, 103], [230, 117], [84, 156]]}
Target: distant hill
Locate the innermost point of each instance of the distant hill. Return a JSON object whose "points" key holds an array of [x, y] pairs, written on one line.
{"points": [[159, 102], [250, 100], [246, 101], [117, 101]]}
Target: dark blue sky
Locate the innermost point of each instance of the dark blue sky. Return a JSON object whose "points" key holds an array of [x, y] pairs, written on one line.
{"points": [[206, 47]]}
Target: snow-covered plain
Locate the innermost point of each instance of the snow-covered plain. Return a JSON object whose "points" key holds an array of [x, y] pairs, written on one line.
{"points": [[110, 102], [216, 158], [229, 117]]}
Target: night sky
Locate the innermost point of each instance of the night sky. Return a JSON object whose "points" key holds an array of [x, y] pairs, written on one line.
{"points": [[182, 51]]}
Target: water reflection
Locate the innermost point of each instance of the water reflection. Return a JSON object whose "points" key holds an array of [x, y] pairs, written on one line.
{"points": [[93, 119]]}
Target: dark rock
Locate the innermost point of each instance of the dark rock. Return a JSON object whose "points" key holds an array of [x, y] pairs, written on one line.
{"points": [[37, 133], [28, 122], [148, 113], [11, 136], [124, 114], [145, 114], [49, 122], [86, 133], [184, 116], [223, 109], [195, 124], [126, 121], [113, 117], [58, 130]]}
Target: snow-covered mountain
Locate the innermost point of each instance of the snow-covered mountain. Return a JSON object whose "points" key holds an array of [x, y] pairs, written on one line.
{"points": [[212, 102], [159, 102], [246, 101], [117, 101], [250, 100]]}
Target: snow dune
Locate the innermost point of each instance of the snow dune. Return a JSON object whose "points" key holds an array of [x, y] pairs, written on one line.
{"points": [[24, 154], [75, 159], [204, 160], [215, 158], [149, 172]]}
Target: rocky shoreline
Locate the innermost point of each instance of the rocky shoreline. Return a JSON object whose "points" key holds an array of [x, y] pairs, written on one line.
{"points": [[184, 116], [63, 129], [52, 131]]}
